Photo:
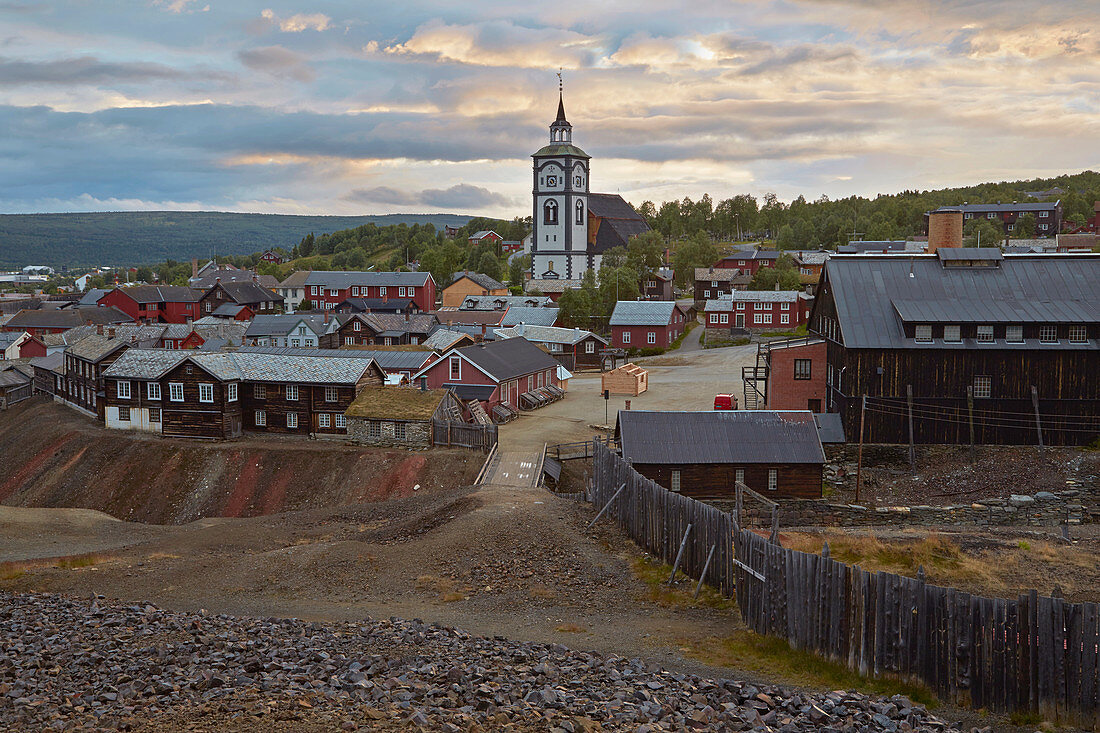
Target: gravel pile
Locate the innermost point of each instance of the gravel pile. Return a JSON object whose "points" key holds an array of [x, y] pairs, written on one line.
{"points": [[67, 664]]}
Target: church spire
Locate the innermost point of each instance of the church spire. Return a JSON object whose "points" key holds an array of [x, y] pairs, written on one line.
{"points": [[560, 130]]}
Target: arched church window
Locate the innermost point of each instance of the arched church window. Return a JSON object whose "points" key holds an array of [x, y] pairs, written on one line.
{"points": [[580, 212], [550, 212]]}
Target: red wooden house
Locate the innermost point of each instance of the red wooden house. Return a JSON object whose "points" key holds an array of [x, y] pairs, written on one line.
{"points": [[493, 373], [327, 289], [486, 236], [748, 262], [759, 310], [272, 256], [155, 303], [642, 324]]}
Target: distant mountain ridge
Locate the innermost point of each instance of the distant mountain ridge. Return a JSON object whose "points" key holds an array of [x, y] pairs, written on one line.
{"points": [[149, 237]]}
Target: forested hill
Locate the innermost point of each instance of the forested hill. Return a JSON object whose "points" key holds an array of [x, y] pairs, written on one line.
{"points": [[147, 237]]}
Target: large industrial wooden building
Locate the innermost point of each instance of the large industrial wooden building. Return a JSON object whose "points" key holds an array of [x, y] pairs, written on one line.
{"points": [[963, 341]]}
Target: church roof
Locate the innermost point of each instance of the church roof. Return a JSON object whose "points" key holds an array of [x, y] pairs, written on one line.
{"points": [[617, 221], [558, 150], [561, 111]]}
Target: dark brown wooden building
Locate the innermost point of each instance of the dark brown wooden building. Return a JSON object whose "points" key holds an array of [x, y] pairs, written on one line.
{"points": [[1006, 345], [257, 298], [704, 454]]}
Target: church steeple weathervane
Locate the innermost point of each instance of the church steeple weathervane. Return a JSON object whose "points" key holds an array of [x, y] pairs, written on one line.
{"points": [[560, 130]]}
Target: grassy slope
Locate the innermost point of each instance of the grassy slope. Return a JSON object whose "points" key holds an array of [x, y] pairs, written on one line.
{"points": [[148, 237]]}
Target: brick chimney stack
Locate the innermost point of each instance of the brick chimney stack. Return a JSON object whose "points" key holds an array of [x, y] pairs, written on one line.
{"points": [[99, 329], [194, 267]]}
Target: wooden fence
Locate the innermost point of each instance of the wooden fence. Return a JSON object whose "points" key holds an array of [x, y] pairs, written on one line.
{"points": [[1036, 654], [659, 520], [464, 435]]}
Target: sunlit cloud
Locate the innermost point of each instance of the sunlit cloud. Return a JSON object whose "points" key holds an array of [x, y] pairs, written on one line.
{"points": [[298, 22]]}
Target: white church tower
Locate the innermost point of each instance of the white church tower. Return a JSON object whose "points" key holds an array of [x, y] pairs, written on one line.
{"points": [[559, 238]]}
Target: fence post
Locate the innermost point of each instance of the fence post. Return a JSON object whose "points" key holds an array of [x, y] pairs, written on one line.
{"points": [[703, 575], [1035, 405], [606, 506], [679, 554]]}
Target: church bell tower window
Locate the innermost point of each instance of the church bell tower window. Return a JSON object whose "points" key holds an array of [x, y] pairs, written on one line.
{"points": [[550, 212], [580, 212]]}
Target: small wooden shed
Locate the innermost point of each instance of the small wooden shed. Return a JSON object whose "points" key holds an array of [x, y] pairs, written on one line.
{"points": [[629, 379]]}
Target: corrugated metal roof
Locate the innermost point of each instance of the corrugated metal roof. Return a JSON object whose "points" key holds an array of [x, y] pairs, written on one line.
{"points": [[721, 436], [508, 358], [968, 310], [972, 208], [534, 316], [341, 280], [482, 392], [969, 253], [865, 290], [642, 313]]}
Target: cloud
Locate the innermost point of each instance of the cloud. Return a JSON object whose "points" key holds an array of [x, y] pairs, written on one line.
{"points": [[277, 61], [500, 43], [462, 196], [180, 6], [298, 22], [79, 71]]}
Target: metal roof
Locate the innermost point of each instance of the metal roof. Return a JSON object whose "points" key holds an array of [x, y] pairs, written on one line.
{"points": [[388, 360], [443, 339], [282, 324], [721, 436], [507, 358], [230, 310], [762, 296], [342, 280], [559, 150], [247, 292], [162, 293], [969, 253], [67, 317], [548, 334], [13, 378], [518, 314], [974, 208], [867, 290], [503, 302], [643, 313], [483, 392]]}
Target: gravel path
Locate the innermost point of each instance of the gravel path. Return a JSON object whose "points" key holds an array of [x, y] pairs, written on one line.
{"points": [[92, 664]]}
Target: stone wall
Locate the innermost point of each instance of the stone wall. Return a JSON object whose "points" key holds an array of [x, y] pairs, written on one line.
{"points": [[1043, 509], [418, 434]]}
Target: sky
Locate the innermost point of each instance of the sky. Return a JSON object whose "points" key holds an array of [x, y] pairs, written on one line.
{"points": [[417, 106]]}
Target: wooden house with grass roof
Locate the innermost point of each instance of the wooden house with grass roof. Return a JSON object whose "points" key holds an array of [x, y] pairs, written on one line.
{"points": [[399, 416]]}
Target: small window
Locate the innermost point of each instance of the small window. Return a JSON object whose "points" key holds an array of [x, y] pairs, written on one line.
{"points": [[706, 294], [322, 420], [550, 212], [292, 393], [651, 338], [985, 334], [206, 393], [123, 389], [952, 334], [1014, 334], [740, 306], [675, 480], [175, 391], [456, 367], [757, 318], [714, 283], [773, 479], [767, 318], [982, 386], [739, 475], [580, 214], [626, 337], [784, 318], [924, 333], [358, 326], [1078, 334], [295, 342], [590, 347], [382, 291], [189, 369], [261, 418], [354, 293], [1048, 334], [1044, 214], [784, 306], [341, 421], [259, 391], [231, 392], [714, 318], [991, 215], [154, 414], [349, 341], [724, 318], [331, 394], [803, 368], [292, 419], [124, 414]]}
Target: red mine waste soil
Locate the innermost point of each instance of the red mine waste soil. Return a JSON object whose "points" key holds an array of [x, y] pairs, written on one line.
{"points": [[31, 467]]}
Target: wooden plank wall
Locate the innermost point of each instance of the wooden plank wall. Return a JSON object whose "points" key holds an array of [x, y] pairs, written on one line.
{"points": [[1031, 654], [463, 435], [657, 519], [1034, 653]]}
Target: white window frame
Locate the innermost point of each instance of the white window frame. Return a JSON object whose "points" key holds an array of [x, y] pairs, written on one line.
{"points": [[339, 421], [292, 419], [1045, 336], [767, 318], [1078, 334], [983, 386], [206, 392], [706, 295], [332, 394], [626, 337], [355, 291], [357, 325], [175, 391], [231, 392], [724, 318], [322, 420], [784, 318], [1044, 214], [740, 306], [985, 334], [260, 418], [122, 389], [590, 347], [349, 341], [651, 337], [292, 393], [991, 215], [259, 391], [1014, 334], [455, 361], [773, 479], [382, 291], [674, 482], [739, 475], [952, 334], [923, 333], [784, 306], [714, 318], [757, 318]]}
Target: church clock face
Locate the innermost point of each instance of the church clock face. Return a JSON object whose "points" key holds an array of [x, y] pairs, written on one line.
{"points": [[551, 180]]}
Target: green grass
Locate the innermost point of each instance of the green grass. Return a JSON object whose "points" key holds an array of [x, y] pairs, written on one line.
{"points": [[775, 658], [800, 331], [655, 575]]}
